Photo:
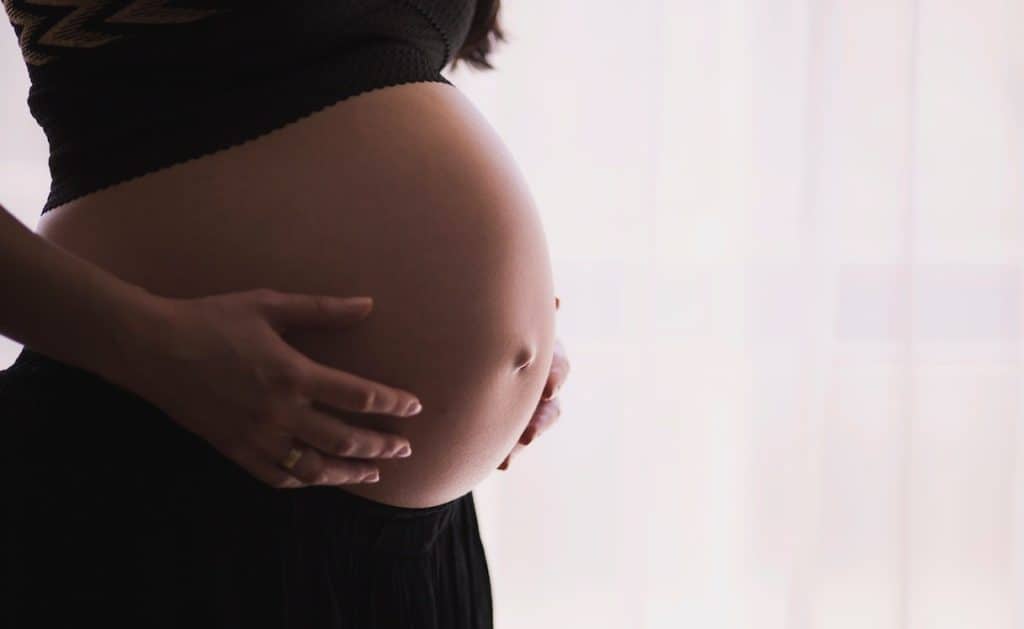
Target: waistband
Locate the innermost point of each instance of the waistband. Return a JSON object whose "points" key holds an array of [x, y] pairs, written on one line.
{"points": [[366, 523]]}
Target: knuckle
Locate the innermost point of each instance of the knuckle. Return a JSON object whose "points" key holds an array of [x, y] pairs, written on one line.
{"points": [[357, 473], [350, 475], [288, 378], [267, 414], [315, 473], [367, 400], [322, 304], [343, 445]]}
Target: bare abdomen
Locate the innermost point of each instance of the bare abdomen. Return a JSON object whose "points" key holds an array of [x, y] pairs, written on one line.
{"points": [[405, 194]]}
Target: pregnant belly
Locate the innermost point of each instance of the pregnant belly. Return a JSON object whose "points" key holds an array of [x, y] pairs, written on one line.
{"points": [[405, 194]]}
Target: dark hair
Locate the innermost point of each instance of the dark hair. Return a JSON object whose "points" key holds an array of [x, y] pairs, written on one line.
{"points": [[484, 33]]}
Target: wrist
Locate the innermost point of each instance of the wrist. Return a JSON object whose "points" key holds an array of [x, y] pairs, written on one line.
{"points": [[139, 331]]}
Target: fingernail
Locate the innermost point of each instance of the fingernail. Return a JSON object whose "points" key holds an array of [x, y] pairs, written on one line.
{"points": [[404, 451], [528, 437], [372, 478], [414, 408]]}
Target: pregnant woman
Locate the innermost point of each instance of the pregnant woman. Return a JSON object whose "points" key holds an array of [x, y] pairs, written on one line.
{"points": [[206, 427]]}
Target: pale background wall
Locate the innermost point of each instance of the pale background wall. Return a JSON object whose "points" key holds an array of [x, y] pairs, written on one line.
{"points": [[787, 236]]}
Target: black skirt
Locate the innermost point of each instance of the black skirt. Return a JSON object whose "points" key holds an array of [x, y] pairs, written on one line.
{"points": [[116, 516]]}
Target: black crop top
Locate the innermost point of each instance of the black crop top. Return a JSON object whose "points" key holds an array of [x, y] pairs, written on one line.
{"points": [[122, 88]]}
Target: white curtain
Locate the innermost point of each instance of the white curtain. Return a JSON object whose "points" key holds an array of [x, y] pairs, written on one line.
{"points": [[787, 237]]}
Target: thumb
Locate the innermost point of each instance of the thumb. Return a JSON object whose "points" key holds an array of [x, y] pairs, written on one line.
{"points": [[297, 309]]}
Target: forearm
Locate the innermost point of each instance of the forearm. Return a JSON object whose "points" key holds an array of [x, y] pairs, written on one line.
{"points": [[66, 307]]}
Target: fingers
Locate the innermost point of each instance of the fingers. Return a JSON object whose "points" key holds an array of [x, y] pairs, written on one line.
{"points": [[317, 468], [551, 389], [550, 408], [256, 464], [553, 385], [313, 467], [336, 388], [558, 373], [346, 391], [338, 439], [511, 455], [299, 309], [546, 415]]}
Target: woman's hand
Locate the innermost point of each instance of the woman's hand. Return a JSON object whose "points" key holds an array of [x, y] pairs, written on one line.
{"points": [[549, 409], [218, 366]]}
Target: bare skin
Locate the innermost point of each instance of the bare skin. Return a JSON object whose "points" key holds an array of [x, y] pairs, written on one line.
{"points": [[217, 364], [405, 194]]}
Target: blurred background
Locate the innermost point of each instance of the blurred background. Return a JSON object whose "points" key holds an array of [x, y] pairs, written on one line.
{"points": [[787, 236]]}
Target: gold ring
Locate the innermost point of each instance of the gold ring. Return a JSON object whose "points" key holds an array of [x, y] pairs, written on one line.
{"points": [[291, 458]]}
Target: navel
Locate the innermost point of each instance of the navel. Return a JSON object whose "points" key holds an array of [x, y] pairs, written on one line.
{"points": [[524, 358]]}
